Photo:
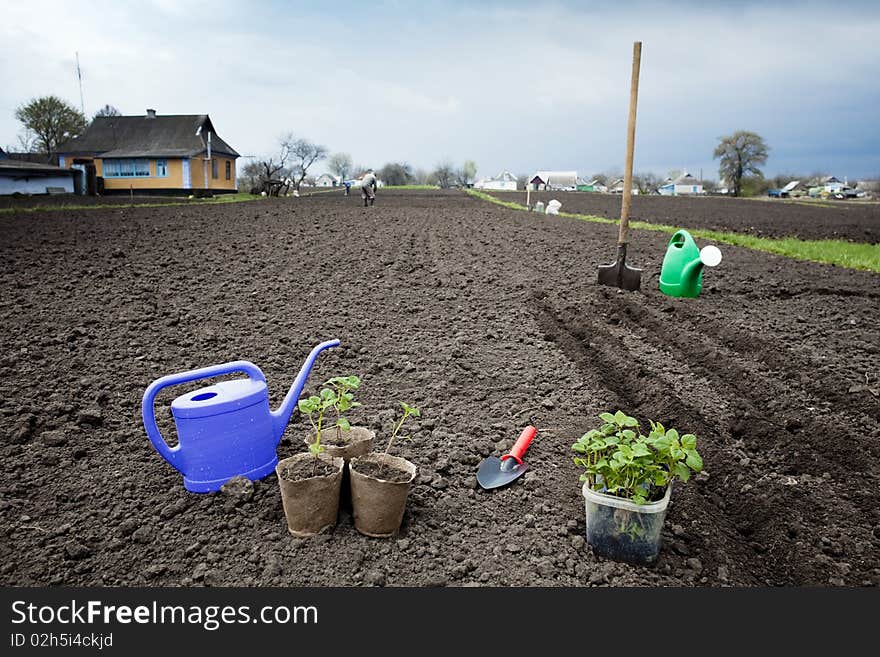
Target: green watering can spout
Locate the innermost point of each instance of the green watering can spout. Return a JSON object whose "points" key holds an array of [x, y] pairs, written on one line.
{"points": [[682, 271]]}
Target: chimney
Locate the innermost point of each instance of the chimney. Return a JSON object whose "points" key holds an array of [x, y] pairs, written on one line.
{"points": [[151, 114]]}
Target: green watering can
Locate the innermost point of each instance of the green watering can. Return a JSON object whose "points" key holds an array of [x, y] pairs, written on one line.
{"points": [[682, 271]]}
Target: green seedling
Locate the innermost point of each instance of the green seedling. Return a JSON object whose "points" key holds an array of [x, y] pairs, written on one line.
{"points": [[619, 460], [344, 401], [407, 411], [315, 407]]}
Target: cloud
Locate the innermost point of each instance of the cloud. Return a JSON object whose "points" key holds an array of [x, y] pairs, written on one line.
{"points": [[512, 85]]}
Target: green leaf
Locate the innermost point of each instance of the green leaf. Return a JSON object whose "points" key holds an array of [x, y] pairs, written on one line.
{"points": [[629, 434], [608, 418], [661, 444], [694, 461], [580, 448], [630, 422], [411, 410], [641, 450], [689, 441], [343, 424], [316, 448], [672, 434], [620, 418], [638, 498], [681, 471]]}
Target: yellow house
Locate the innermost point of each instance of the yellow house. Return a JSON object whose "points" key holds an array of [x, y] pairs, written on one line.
{"points": [[151, 154]]}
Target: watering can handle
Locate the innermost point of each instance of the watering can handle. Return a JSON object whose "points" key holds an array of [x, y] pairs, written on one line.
{"points": [[172, 454]]}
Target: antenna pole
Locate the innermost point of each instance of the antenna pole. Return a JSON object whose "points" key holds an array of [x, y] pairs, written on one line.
{"points": [[82, 107]]}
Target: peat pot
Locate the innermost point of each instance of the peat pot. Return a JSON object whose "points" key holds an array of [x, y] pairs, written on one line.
{"points": [[623, 530], [311, 503], [378, 499], [358, 442]]}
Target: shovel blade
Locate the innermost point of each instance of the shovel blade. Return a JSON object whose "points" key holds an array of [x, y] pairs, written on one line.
{"points": [[619, 274], [491, 474]]}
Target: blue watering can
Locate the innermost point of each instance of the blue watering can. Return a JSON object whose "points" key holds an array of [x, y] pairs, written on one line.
{"points": [[224, 430]]}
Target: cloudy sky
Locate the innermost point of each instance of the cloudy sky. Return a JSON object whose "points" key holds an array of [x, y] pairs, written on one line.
{"points": [[511, 85]]}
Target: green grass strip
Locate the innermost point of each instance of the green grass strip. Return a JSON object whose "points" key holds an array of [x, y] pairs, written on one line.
{"points": [[410, 187], [852, 255], [216, 200]]}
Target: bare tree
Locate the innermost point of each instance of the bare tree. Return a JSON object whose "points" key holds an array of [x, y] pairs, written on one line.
{"points": [[420, 177], [740, 154], [340, 164], [444, 173], [647, 182], [107, 110], [467, 174], [27, 143], [303, 154]]}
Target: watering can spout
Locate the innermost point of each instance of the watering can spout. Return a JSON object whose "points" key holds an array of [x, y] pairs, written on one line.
{"points": [[690, 274], [281, 417]]}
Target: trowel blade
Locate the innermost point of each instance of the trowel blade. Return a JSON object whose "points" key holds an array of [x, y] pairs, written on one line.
{"points": [[493, 473]]}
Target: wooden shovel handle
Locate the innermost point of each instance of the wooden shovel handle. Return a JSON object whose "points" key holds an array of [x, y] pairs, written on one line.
{"points": [[630, 144]]}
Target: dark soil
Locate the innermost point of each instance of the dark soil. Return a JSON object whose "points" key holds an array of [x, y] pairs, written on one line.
{"points": [[485, 318], [381, 471], [307, 469], [856, 221]]}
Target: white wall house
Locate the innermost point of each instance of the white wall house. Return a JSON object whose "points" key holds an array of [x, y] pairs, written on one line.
{"points": [[616, 187], [19, 176], [684, 185], [326, 180], [504, 181], [563, 181]]}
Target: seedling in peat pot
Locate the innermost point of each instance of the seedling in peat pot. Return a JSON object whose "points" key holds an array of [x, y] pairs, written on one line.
{"points": [[407, 412], [344, 401], [315, 407]]}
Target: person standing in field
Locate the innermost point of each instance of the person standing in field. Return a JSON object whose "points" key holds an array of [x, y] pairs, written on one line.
{"points": [[368, 187]]}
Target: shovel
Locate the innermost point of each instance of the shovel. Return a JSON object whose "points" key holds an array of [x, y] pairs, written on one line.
{"points": [[495, 472], [618, 273]]}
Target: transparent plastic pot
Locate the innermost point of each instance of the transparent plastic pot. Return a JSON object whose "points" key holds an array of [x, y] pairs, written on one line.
{"points": [[622, 530]]}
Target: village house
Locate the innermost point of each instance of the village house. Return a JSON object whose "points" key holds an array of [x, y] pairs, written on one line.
{"points": [[504, 181], [592, 186], [683, 185], [616, 187], [152, 154], [18, 176], [554, 180], [326, 180]]}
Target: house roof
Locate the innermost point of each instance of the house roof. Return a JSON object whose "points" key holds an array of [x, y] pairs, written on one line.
{"points": [[504, 176], [790, 186], [175, 135], [567, 178], [12, 166]]}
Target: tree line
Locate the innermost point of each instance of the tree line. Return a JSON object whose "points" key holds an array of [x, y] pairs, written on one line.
{"points": [[49, 121]]}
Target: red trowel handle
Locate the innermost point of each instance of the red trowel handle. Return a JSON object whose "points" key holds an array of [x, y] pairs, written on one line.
{"points": [[521, 445]]}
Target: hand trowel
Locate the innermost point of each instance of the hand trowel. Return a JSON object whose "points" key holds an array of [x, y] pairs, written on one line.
{"points": [[495, 472]]}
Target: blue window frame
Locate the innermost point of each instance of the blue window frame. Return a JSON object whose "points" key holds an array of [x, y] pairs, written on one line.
{"points": [[161, 168], [126, 168]]}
